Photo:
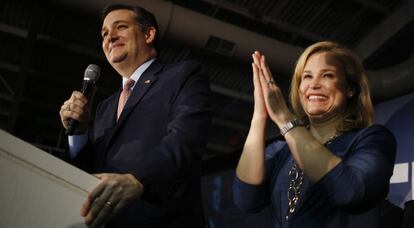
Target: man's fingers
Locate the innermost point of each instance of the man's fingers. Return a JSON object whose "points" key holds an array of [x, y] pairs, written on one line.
{"points": [[102, 208], [76, 108], [92, 197], [75, 104], [103, 215], [99, 197], [76, 97], [99, 207], [109, 210], [79, 96], [117, 191], [116, 209], [101, 175], [94, 209]]}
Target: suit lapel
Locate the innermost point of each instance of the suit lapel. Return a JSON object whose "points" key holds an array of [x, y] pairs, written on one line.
{"points": [[110, 117], [142, 86]]}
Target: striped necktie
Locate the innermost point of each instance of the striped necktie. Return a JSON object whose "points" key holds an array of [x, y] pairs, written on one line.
{"points": [[124, 96]]}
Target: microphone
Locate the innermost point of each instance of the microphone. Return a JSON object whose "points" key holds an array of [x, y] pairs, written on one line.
{"points": [[90, 77]]}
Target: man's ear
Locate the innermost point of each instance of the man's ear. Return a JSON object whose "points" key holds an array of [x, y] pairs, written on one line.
{"points": [[150, 35]]}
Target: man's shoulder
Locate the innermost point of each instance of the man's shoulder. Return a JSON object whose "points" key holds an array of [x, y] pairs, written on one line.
{"points": [[180, 72], [187, 65]]}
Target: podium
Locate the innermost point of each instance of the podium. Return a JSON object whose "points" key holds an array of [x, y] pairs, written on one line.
{"points": [[38, 189]]}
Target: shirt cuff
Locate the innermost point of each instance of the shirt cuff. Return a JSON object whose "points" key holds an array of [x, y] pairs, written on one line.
{"points": [[76, 143]]}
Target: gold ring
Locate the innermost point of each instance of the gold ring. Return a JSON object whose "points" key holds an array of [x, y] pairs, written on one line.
{"points": [[270, 81]]}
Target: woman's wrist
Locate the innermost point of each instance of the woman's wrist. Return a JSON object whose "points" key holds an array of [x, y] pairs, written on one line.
{"points": [[258, 118], [290, 125], [284, 119]]}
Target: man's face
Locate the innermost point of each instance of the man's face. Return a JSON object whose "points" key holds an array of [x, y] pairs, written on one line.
{"points": [[123, 41]]}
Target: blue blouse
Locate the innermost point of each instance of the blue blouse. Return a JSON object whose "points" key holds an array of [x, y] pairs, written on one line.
{"points": [[347, 196]]}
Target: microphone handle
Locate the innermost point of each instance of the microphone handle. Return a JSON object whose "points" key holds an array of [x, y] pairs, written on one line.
{"points": [[87, 90], [72, 125]]}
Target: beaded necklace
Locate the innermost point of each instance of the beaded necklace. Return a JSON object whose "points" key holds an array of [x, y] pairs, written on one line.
{"points": [[296, 181]]}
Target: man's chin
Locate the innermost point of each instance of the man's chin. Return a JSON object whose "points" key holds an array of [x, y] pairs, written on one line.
{"points": [[118, 59]]}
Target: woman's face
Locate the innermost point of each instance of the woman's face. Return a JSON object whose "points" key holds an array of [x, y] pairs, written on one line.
{"points": [[323, 89]]}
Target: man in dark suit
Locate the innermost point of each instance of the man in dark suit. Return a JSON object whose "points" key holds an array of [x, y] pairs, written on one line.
{"points": [[148, 152]]}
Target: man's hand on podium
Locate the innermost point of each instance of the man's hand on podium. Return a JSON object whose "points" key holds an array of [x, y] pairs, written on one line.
{"points": [[111, 195]]}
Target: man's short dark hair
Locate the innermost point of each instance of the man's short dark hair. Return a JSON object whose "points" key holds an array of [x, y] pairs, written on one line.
{"points": [[143, 17]]}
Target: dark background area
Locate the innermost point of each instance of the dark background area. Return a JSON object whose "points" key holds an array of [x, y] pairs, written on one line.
{"points": [[46, 46]]}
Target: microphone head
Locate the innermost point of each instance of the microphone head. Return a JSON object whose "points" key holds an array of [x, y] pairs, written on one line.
{"points": [[92, 73]]}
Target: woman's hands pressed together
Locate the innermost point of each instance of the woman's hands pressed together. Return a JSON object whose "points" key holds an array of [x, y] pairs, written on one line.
{"points": [[268, 98]]}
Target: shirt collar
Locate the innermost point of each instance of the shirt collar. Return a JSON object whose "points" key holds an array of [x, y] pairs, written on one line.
{"points": [[137, 73]]}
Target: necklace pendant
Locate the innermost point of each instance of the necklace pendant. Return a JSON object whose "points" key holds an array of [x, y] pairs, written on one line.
{"points": [[295, 176], [331, 139]]}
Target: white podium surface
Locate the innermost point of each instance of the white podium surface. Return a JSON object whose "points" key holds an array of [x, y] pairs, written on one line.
{"points": [[38, 189]]}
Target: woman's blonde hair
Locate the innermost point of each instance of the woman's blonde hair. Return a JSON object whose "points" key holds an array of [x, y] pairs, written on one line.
{"points": [[359, 112]]}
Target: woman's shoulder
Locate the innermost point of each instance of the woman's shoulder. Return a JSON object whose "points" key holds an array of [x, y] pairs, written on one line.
{"points": [[375, 130], [377, 137]]}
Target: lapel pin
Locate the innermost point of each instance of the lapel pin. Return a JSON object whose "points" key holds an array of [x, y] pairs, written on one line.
{"points": [[147, 81]]}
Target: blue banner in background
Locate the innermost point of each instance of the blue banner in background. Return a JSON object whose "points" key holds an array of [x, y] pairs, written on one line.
{"points": [[398, 116]]}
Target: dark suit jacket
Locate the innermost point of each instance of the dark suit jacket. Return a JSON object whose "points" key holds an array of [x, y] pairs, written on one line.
{"points": [[159, 138]]}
